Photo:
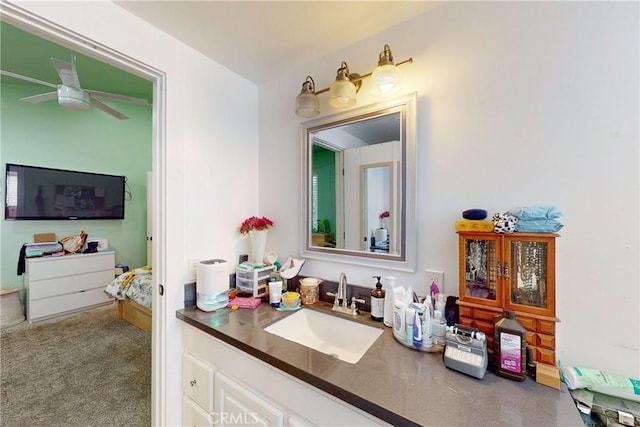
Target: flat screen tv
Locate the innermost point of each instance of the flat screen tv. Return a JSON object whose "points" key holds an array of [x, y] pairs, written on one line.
{"points": [[38, 193]]}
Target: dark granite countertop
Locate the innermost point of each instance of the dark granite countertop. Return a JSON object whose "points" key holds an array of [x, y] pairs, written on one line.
{"points": [[392, 382]]}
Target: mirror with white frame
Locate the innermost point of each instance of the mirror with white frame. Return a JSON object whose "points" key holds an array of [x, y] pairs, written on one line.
{"points": [[359, 187]]}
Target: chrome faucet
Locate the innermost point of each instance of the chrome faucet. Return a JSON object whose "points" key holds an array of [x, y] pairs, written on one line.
{"points": [[340, 297]]}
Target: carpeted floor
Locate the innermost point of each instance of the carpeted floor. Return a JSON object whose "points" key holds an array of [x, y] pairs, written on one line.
{"points": [[85, 369]]}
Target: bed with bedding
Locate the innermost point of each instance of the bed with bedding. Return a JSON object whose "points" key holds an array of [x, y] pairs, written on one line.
{"points": [[132, 291]]}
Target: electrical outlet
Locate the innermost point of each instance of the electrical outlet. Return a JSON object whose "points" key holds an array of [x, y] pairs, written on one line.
{"points": [[192, 269], [436, 277]]}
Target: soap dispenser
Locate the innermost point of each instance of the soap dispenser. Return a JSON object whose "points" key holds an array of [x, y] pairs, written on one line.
{"points": [[377, 301]]}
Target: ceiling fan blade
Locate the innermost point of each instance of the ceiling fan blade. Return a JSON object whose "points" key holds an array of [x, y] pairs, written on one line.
{"points": [[67, 73], [37, 99], [121, 98], [106, 108], [28, 79]]}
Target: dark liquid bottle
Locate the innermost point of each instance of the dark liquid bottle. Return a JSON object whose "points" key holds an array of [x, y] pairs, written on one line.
{"points": [[377, 302], [509, 347]]}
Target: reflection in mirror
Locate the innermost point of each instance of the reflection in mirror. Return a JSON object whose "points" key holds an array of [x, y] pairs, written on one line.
{"points": [[375, 208], [360, 183]]}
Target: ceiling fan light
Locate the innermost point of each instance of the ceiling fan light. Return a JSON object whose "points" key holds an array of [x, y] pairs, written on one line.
{"points": [[307, 102], [73, 98], [342, 92]]}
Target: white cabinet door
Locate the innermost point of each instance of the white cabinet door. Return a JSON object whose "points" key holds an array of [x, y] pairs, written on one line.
{"points": [[194, 415], [197, 381], [238, 406]]}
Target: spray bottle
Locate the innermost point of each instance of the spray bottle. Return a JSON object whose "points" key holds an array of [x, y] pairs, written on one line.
{"points": [[388, 302], [417, 331], [427, 334]]}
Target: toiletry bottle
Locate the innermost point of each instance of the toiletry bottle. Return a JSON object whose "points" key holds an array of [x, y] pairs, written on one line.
{"points": [[427, 335], [417, 331], [438, 328], [388, 302], [377, 301], [275, 277], [399, 329], [509, 347], [410, 314], [428, 302], [441, 303]]}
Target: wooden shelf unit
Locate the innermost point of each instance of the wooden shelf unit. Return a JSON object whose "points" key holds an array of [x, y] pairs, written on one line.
{"points": [[510, 272]]}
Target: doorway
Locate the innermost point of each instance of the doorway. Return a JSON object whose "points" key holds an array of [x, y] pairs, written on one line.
{"points": [[33, 24]]}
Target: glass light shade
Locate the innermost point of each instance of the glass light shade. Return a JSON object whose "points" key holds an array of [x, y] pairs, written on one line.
{"points": [[342, 93], [307, 104], [386, 80]]}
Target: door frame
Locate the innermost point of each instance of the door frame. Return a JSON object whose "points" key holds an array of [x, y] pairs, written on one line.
{"points": [[40, 27]]}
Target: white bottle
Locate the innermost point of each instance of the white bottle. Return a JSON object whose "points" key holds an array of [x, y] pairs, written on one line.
{"points": [[441, 302], [399, 328], [438, 328], [427, 334], [410, 315], [388, 301]]}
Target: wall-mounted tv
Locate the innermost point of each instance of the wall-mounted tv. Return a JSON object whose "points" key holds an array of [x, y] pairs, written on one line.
{"points": [[38, 193]]}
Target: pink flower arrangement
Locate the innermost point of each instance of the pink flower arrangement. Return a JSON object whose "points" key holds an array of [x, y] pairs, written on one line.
{"points": [[255, 223], [384, 215]]}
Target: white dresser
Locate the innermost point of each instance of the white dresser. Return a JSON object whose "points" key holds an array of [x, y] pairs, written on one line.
{"points": [[60, 285]]}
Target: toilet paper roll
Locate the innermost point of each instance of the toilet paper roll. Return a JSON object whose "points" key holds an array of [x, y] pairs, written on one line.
{"points": [[212, 276], [381, 235]]}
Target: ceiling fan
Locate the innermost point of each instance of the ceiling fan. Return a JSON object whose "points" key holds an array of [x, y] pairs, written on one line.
{"points": [[71, 95]]}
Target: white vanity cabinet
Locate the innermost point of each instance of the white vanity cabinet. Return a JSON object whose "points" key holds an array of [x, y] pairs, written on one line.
{"points": [[194, 415], [197, 387], [59, 285], [236, 405], [248, 391]]}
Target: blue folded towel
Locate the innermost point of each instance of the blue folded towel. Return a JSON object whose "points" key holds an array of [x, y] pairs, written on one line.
{"points": [[538, 226], [536, 212]]}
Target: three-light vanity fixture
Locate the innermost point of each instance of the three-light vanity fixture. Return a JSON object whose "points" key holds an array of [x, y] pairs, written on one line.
{"points": [[342, 92]]}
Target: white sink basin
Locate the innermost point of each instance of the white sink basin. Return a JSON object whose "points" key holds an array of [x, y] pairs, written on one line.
{"points": [[342, 338]]}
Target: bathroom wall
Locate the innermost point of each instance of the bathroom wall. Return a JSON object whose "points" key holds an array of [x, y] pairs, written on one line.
{"points": [[88, 141], [519, 104]]}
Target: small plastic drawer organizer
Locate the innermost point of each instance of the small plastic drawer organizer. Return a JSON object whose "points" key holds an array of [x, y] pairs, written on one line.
{"points": [[252, 280]]}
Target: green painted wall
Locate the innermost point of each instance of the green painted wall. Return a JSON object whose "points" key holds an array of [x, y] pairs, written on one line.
{"points": [[52, 136], [324, 163]]}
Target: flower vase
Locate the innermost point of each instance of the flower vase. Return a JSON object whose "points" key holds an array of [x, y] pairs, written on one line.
{"points": [[258, 240]]}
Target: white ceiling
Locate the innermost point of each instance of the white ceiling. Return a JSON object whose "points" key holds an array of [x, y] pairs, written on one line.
{"points": [[260, 39]]}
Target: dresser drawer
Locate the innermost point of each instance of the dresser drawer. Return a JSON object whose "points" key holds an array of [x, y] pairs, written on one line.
{"points": [[484, 315], [69, 284], [465, 311], [545, 356], [528, 323], [531, 338], [48, 268], [48, 307], [485, 327], [546, 341], [546, 327]]}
